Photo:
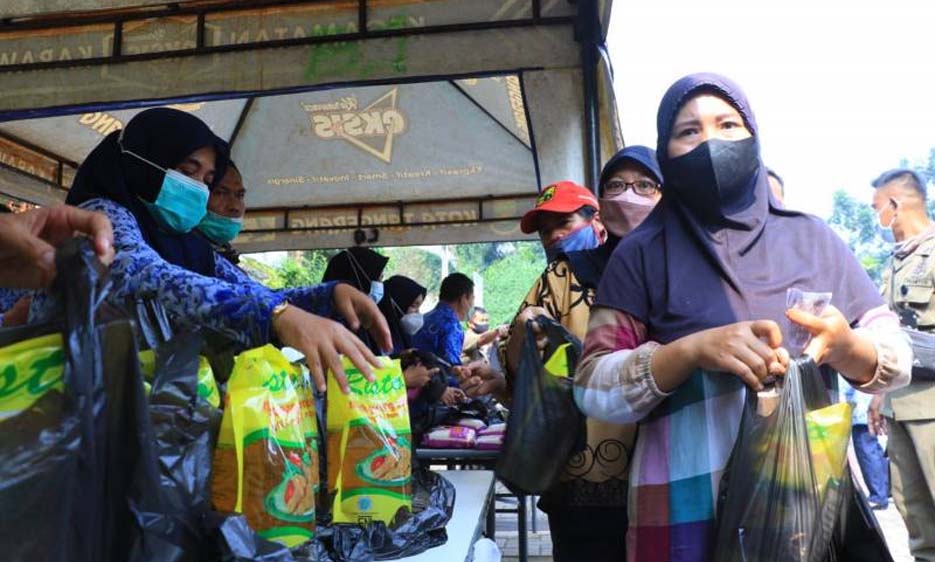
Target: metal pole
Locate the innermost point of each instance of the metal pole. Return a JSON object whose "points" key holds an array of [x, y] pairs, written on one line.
{"points": [[522, 537], [588, 34]]}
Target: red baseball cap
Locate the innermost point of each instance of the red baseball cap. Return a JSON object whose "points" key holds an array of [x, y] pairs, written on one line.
{"points": [[561, 197]]}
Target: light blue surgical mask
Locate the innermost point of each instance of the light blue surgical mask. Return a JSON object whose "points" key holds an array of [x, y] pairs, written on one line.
{"points": [[220, 229], [182, 201], [376, 291], [584, 238], [181, 204], [886, 232]]}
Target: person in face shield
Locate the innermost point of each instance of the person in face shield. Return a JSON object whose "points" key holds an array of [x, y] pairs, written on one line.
{"points": [[151, 180], [688, 310], [587, 508]]}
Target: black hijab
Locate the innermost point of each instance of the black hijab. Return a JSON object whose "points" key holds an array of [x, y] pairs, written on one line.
{"points": [[401, 291], [678, 274], [357, 266], [165, 137]]}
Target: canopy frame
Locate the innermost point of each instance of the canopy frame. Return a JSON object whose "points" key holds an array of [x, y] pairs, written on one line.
{"points": [[118, 20], [588, 25]]}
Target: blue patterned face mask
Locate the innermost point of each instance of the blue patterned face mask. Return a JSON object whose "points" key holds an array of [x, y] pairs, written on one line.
{"points": [[585, 238], [181, 203], [220, 229]]}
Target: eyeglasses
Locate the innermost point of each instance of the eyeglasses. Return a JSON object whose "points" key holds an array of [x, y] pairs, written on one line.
{"points": [[640, 187]]}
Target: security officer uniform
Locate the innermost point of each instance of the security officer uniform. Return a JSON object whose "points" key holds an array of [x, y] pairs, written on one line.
{"points": [[909, 289]]}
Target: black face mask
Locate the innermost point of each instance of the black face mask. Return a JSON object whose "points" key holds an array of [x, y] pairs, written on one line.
{"points": [[714, 179], [480, 328]]}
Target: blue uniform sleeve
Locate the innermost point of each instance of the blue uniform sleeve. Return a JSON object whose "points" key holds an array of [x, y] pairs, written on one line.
{"points": [[451, 344], [8, 298], [317, 299], [231, 303]]}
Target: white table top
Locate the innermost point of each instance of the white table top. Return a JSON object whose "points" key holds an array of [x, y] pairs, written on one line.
{"points": [[472, 494]]}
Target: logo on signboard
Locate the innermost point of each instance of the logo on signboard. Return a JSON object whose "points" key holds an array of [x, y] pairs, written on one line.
{"points": [[371, 129]]}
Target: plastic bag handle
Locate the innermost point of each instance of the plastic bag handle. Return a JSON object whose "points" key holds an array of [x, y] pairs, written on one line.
{"points": [[556, 334], [80, 287]]}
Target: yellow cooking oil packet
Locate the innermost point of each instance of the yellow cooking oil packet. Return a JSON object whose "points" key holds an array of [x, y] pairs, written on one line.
{"points": [[369, 445], [557, 364], [207, 386], [266, 460], [829, 431], [28, 370]]}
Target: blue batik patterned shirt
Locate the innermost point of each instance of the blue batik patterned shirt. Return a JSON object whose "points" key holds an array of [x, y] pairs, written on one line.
{"points": [[231, 302]]}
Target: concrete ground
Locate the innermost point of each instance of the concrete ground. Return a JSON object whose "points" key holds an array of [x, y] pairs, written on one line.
{"points": [[894, 529], [540, 544]]}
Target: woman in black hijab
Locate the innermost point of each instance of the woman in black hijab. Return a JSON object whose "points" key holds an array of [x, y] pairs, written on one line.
{"points": [[688, 311], [151, 179], [400, 306], [359, 266]]}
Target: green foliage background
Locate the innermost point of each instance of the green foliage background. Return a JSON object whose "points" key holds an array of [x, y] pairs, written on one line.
{"points": [[508, 270]]}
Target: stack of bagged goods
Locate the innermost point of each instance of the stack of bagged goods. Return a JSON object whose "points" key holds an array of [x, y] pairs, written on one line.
{"points": [[369, 446], [466, 433], [266, 460], [450, 437], [491, 437]]}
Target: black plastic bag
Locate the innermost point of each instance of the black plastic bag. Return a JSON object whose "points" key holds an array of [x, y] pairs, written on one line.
{"points": [[184, 428], [232, 540], [153, 327], [857, 536], [787, 493], [545, 424], [73, 462], [923, 351], [433, 500]]}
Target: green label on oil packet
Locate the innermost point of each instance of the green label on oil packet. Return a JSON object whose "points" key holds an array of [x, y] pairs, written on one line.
{"points": [[28, 370]]}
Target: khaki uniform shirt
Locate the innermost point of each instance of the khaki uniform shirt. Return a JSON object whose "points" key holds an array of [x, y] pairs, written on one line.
{"points": [[471, 352], [909, 290]]}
